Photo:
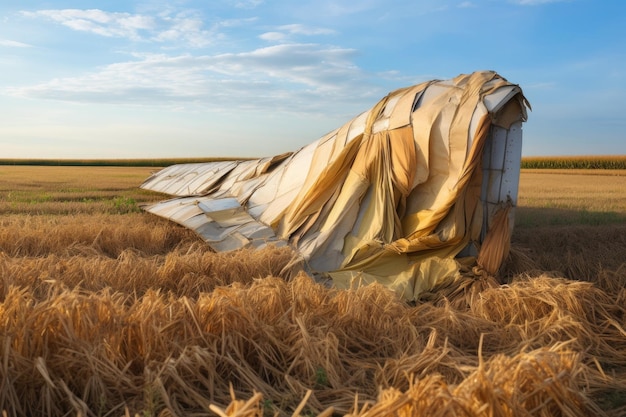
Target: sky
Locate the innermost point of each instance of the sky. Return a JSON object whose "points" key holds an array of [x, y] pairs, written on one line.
{"points": [[252, 78]]}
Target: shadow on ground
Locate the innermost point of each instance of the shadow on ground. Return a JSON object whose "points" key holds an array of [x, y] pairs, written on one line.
{"points": [[547, 216], [577, 244]]}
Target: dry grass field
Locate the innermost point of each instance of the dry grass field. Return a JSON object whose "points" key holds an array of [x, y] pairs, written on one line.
{"points": [[109, 311]]}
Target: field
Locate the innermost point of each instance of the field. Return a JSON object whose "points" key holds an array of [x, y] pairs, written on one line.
{"points": [[109, 311]]}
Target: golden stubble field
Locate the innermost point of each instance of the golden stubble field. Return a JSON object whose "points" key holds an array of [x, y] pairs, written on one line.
{"points": [[109, 311]]}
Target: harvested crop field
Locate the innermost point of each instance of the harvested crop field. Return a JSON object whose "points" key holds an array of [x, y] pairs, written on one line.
{"points": [[109, 311]]}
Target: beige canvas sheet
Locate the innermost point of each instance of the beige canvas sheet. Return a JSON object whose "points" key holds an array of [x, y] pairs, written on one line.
{"points": [[390, 197]]}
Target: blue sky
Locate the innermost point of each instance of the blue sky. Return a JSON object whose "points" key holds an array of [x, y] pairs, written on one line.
{"points": [[133, 79]]}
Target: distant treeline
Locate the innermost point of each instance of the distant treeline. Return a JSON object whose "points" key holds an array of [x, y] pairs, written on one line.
{"points": [[159, 162], [575, 162]]}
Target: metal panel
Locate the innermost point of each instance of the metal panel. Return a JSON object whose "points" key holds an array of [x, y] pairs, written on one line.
{"points": [[512, 163], [501, 171], [498, 148], [222, 223], [217, 205], [188, 179]]}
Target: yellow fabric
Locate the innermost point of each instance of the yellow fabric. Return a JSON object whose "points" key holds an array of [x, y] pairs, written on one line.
{"points": [[411, 248], [496, 245]]}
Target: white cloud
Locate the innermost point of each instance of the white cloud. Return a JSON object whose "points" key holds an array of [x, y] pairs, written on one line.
{"points": [[273, 36], [181, 27], [293, 77], [286, 32], [187, 29], [99, 22], [13, 44], [227, 23], [299, 29], [466, 5]]}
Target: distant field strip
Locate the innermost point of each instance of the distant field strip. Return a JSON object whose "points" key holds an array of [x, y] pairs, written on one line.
{"points": [[575, 162]]}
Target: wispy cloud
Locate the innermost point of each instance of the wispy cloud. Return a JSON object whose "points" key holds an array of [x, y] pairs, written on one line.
{"points": [[13, 44], [290, 74], [294, 77], [285, 32], [273, 36], [180, 27], [99, 22], [305, 30], [346, 8], [536, 2], [188, 29], [247, 4]]}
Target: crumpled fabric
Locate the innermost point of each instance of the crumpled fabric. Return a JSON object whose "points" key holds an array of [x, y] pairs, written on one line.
{"points": [[393, 196]]}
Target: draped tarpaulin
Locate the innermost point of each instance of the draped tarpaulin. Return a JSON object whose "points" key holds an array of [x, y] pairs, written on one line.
{"points": [[393, 196]]}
